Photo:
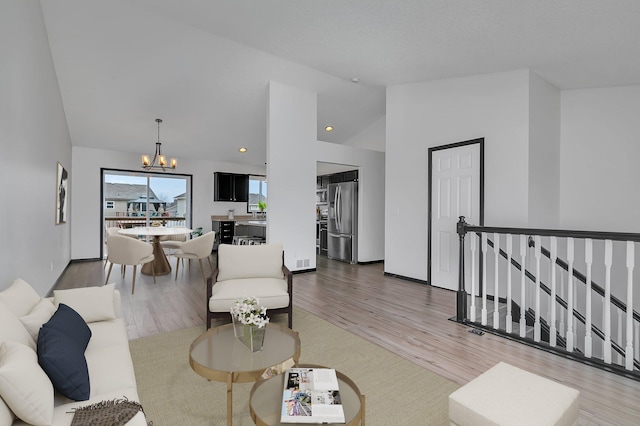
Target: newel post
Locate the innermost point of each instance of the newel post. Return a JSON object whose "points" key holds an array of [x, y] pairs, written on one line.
{"points": [[461, 295]]}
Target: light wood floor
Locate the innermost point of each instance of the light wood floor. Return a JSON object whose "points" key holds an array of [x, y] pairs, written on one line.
{"points": [[407, 318]]}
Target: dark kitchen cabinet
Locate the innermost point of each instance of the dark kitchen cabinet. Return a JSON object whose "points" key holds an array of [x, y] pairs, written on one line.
{"points": [[231, 187], [224, 232]]}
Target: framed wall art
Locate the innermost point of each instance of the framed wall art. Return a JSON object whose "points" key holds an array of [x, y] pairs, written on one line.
{"points": [[62, 195]]}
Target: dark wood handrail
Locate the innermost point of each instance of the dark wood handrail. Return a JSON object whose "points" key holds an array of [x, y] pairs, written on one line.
{"points": [[596, 235]]}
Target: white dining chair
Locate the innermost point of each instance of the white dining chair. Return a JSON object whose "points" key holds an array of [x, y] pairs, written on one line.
{"points": [[128, 251], [197, 248]]}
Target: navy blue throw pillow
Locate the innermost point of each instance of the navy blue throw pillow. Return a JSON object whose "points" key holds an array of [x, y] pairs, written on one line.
{"points": [[64, 362], [68, 321]]}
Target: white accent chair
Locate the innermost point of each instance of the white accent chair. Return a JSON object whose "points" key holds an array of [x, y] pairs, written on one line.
{"points": [[249, 270], [197, 248], [128, 251]]}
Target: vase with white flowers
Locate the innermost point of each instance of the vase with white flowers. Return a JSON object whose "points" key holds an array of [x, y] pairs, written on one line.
{"points": [[249, 322]]}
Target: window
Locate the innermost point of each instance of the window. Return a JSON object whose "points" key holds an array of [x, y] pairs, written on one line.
{"points": [[257, 194], [111, 205]]}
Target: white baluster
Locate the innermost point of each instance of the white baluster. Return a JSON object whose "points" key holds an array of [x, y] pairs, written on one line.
{"points": [[523, 306], [588, 338], [484, 278], [496, 296], [473, 243], [608, 260], [628, 352], [536, 324], [553, 331], [570, 258], [509, 318]]}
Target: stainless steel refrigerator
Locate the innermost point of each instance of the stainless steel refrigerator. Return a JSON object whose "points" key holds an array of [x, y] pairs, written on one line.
{"points": [[342, 222]]}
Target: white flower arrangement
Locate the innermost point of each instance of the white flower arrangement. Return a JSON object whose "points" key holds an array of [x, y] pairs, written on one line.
{"points": [[249, 312]]}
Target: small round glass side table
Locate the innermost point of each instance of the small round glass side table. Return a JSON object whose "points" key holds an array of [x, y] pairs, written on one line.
{"points": [[265, 401], [217, 355]]}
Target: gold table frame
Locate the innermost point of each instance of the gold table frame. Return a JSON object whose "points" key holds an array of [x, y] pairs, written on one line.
{"points": [[217, 355]]}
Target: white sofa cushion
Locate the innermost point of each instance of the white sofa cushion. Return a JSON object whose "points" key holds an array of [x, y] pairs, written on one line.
{"points": [[20, 297], [271, 293], [92, 303], [6, 415], [23, 385], [258, 261], [108, 358], [41, 313], [12, 330]]}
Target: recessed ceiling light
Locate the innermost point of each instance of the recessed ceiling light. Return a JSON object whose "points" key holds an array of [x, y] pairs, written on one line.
{"points": [[328, 128], [355, 80], [243, 149]]}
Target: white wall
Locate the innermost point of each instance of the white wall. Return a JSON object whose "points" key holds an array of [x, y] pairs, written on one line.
{"points": [[373, 137], [430, 114], [33, 137], [291, 172], [371, 197], [86, 203], [599, 159], [544, 153]]}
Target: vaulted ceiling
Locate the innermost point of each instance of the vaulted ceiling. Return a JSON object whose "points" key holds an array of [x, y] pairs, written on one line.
{"points": [[203, 66]]}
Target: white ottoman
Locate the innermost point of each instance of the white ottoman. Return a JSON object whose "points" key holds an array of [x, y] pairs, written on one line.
{"points": [[506, 395]]}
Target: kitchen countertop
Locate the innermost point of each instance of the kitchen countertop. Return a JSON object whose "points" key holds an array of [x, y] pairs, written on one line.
{"points": [[252, 222]]}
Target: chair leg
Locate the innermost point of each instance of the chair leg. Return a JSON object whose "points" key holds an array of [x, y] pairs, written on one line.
{"points": [[153, 271], [123, 269], [177, 266], [133, 283], [108, 273], [202, 272]]}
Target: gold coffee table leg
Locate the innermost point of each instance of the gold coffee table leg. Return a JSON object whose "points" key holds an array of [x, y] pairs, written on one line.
{"points": [[229, 399]]}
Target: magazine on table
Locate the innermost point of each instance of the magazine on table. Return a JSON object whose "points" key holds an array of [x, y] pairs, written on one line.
{"points": [[311, 395]]}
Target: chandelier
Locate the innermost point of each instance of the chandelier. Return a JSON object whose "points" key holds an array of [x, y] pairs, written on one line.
{"points": [[161, 159]]}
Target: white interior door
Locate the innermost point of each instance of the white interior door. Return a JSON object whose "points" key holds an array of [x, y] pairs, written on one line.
{"points": [[455, 192]]}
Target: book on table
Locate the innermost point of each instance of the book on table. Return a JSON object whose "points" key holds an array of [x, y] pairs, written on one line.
{"points": [[311, 395]]}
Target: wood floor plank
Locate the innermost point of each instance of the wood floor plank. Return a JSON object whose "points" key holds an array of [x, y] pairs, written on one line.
{"points": [[407, 318]]}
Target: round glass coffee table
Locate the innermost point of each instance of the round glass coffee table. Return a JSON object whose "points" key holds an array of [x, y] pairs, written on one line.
{"points": [[217, 355], [265, 402]]}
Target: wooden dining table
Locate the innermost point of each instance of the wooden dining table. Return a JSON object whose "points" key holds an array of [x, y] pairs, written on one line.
{"points": [[160, 265]]}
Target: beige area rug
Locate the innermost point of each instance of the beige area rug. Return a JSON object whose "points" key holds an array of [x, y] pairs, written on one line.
{"points": [[398, 392]]}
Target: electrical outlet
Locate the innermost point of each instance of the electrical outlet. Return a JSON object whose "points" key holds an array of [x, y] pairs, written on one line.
{"points": [[305, 262]]}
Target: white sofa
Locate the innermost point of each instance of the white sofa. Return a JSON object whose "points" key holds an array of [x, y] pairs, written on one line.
{"points": [[28, 397]]}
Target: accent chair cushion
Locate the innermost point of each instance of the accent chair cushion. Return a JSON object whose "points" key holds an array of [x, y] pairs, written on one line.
{"points": [[92, 303], [20, 297], [40, 314], [258, 261], [271, 293], [24, 387], [64, 362]]}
